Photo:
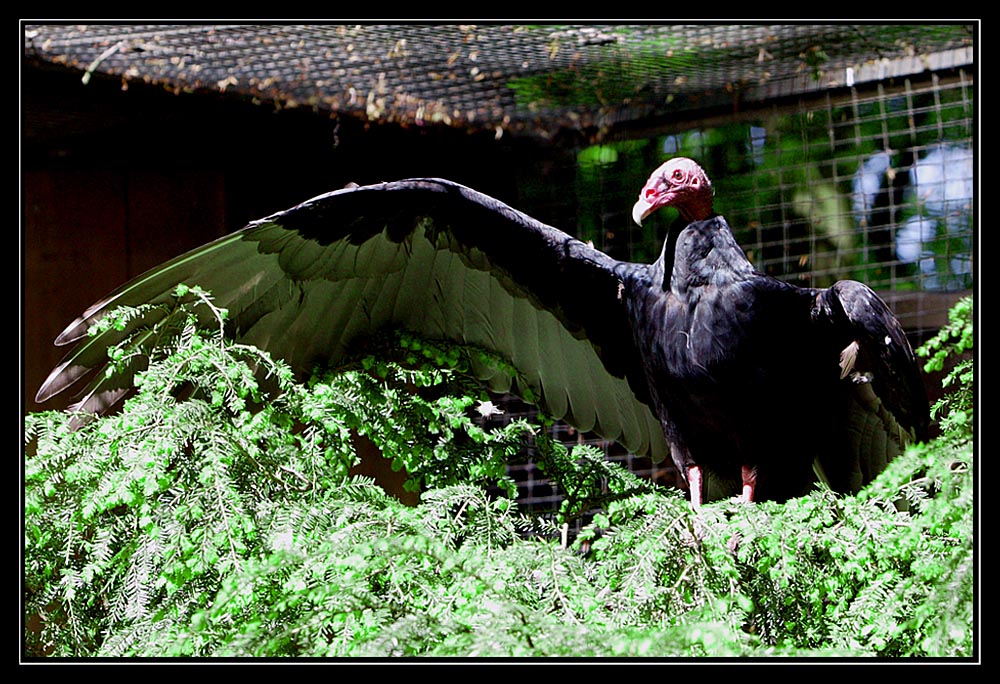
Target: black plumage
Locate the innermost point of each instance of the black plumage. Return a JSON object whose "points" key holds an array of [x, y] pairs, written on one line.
{"points": [[762, 385], [736, 371]]}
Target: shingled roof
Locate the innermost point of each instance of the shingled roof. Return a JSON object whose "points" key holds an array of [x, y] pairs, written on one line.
{"points": [[527, 78]]}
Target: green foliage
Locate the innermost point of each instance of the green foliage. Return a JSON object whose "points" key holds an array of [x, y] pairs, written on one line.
{"points": [[215, 516], [955, 409]]}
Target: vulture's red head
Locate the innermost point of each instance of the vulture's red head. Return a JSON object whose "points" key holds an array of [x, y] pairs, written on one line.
{"points": [[678, 183]]}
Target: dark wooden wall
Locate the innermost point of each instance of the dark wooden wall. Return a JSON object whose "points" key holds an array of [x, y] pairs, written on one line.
{"points": [[116, 180], [86, 231]]}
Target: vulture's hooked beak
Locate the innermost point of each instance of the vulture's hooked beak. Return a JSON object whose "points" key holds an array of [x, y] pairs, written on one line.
{"points": [[656, 194], [641, 210]]}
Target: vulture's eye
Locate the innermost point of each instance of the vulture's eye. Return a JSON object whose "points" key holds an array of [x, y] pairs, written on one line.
{"points": [[678, 174]]}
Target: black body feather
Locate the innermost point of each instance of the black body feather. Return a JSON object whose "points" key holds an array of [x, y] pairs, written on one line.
{"points": [[745, 370]]}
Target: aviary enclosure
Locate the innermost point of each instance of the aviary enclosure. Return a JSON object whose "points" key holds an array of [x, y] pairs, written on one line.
{"points": [[837, 150]]}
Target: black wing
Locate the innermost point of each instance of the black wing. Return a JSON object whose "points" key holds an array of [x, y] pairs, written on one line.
{"points": [[886, 405], [427, 255]]}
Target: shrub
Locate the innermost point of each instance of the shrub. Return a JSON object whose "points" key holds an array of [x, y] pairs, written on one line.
{"points": [[215, 516]]}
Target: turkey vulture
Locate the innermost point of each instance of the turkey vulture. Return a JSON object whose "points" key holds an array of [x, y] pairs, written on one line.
{"points": [[753, 375], [695, 355]]}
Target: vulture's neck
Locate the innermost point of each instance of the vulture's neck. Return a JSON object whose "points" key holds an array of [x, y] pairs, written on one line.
{"points": [[704, 253]]}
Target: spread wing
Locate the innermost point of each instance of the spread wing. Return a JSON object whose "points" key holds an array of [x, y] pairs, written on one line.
{"points": [[886, 405], [427, 255]]}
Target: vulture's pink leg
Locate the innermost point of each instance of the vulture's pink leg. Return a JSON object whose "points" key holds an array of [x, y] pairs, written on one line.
{"points": [[694, 483], [749, 482]]}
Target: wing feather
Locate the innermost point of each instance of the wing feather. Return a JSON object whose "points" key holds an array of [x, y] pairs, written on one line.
{"points": [[552, 373], [886, 400], [517, 326]]}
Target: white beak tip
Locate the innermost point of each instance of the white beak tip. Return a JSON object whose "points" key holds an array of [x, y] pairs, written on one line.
{"points": [[641, 210]]}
